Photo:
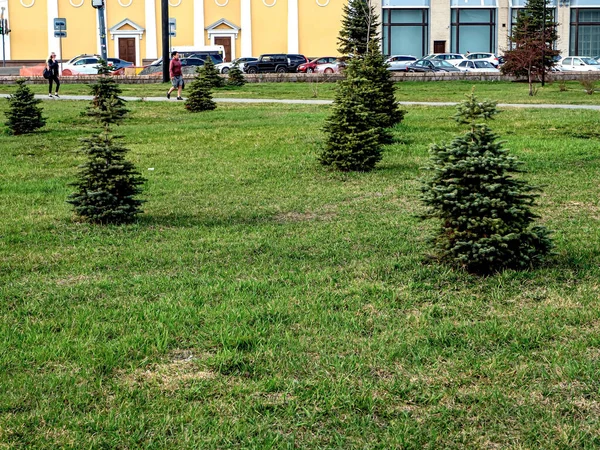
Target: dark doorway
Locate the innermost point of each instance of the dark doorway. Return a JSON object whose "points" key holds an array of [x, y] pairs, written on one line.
{"points": [[226, 43], [439, 46], [127, 49]]}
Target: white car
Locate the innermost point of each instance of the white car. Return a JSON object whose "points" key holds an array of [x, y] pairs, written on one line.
{"points": [[224, 67], [482, 56], [578, 64], [87, 65], [452, 58], [329, 68], [400, 62], [477, 66]]}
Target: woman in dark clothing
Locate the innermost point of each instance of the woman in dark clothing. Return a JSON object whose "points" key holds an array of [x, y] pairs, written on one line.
{"points": [[53, 68]]}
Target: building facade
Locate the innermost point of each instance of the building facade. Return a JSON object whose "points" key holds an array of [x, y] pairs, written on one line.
{"points": [[309, 27]]}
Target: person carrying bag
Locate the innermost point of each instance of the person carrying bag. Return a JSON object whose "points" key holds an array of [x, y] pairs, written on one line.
{"points": [[51, 74]]}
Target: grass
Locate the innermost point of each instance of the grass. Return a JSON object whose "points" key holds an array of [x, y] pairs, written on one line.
{"points": [[264, 302], [442, 91]]}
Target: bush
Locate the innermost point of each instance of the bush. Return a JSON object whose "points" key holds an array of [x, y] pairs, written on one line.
{"points": [[107, 183], [485, 213], [211, 74], [236, 76], [23, 114], [200, 97]]}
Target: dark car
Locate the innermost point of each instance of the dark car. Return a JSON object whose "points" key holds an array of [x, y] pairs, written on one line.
{"points": [[187, 62], [432, 65], [309, 67], [119, 63]]}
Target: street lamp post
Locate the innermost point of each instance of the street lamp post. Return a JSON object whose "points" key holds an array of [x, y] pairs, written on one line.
{"points": [[164, 20], [3, 26], [544, 46], [99, 5]]}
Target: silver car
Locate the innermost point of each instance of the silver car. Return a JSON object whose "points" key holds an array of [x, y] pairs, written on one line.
{"points": [[400, 62]]}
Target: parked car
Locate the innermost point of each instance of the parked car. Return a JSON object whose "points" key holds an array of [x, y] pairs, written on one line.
{"points": [[217, 59], [84, 66], [309, 67], [225, 66], [119, 63], [431, 65], [579, 64], [275, 63], [400, 62], [188, 62], [83, 55], [489, 57], [452, 58], [477, 66], [334, 67]]}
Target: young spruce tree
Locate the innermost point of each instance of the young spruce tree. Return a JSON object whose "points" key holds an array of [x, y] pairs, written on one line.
{"points": [[486, 218], [236, 76], [359, 27], [354, 134], [23, 114], [107, 184], [200, 96], [211, 74]]}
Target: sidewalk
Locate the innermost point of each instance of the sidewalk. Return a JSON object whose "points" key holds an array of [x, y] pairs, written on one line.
{"points": [[315, 102]]}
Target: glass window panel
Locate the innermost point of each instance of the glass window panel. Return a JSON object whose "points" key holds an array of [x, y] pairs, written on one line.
{"points": [[473, 3], [474, 15], [407, 40], [589, 15], [407, 16], [419, 3], [575, 3], [474, 38]]}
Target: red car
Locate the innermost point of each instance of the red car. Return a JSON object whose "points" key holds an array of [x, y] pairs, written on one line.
{"points": [[309, 67]]}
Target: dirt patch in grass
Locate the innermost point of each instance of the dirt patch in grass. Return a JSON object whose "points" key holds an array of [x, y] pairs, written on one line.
{"points": [[180, 368]]}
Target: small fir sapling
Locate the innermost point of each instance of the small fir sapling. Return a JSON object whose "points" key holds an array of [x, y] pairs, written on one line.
{"points": [[107, 184], [236, 76], [354, 135], [200, 96], [23, 114], [485, 213], [211, 74]]}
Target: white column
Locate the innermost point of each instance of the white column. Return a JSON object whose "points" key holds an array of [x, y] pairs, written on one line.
{"points": [[199, 24], [53, 43], [151, 43], [6, 55], [246, 28], [293, 45]]}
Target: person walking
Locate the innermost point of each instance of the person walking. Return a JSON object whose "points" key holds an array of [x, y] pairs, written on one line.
{"points": [[52, 66], [176, 76]]}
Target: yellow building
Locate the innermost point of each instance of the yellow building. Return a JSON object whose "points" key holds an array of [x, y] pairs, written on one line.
{"points": [[243, 27]]}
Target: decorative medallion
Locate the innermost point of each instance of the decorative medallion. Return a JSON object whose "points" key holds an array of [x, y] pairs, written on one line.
{"points": [[27, 6], [125, 6], [271, 5], [224, 3], [322, 4], [176, 5], [74, 5]]}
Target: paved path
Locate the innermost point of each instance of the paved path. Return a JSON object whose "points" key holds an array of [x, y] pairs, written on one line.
{"points": [[316, 102]]}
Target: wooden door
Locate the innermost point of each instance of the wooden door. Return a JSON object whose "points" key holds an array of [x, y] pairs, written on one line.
{"points": [[127, 49], [226, 43], [439, 46]]}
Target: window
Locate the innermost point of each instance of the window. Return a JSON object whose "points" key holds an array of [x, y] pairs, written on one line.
{"points": [[405, 31], [473, 29], [585, 32]]}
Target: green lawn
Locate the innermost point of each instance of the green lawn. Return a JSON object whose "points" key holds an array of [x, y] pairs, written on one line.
{"points": [[441, 91], [264, 302]]}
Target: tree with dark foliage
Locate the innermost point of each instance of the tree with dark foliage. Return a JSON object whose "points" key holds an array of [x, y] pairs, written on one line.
{"points": [[485, 213], [23, 114], [107, 184], [200, 96], [533, 40], [359, 28]]}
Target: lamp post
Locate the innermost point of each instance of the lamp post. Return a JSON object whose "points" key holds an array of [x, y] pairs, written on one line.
{"points": [[544, 46], [3, 26], [164, 20], [99, 5]]}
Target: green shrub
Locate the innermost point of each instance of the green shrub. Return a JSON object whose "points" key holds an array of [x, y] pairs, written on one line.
{"points": [[485, 213], [200, 97], [23, 114]]}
